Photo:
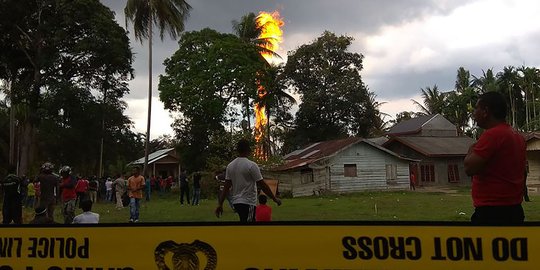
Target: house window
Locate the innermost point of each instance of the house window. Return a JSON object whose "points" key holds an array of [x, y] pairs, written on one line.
{"points": [[350, 170], [453, 173], [306, 176], [427, 173], [391, 172]]}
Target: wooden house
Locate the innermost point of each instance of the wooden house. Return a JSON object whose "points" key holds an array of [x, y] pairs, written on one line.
{"points": [[342, 166], [162, 163], [533, 159], [434, 142]]}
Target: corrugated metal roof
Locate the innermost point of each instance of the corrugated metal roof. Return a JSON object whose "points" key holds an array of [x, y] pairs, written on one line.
{"points": [[153, 157], [410, 126], [314, 152], [326, 149], [531, 135], [436, 146], [378, 140]]}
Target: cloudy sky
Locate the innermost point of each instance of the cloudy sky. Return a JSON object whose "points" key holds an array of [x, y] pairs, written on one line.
{"points": [[407, 44]]}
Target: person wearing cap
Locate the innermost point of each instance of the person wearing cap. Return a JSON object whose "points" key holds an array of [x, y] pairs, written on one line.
{"points": [[69, 196], [41, 217], [48, 189]]}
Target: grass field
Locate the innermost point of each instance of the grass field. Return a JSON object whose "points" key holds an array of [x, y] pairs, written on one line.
{"points": [[366, 206]]}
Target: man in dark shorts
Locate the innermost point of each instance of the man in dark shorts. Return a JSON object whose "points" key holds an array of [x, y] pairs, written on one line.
{"points": [[48, 184], [12, 204], [496, 162], [242, 178]]}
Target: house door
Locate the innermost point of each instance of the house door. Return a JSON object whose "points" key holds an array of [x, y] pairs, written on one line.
{"points": [[413, 174]]}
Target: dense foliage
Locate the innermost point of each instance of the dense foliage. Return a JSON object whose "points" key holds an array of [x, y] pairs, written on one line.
{"points": [[66, 65]]}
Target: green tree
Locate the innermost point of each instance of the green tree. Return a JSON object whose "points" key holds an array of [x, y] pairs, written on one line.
{"points": [[4, 137], [459, 104], [530, 85], [58, 45], [403, 116], [208, 74], [485, 83], [168, 16], [380, 125], [508, 84], [335, 100], [433, 101]]}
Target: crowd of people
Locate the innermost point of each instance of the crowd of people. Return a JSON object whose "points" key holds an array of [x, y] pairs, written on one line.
{"points": [[49, 191]]}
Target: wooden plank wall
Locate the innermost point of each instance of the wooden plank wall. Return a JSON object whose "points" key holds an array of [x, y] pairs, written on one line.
{"points": [[371, 170]]}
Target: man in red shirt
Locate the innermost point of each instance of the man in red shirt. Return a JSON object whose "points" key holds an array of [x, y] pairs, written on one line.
{"points": [[497, 164], [69, 196]]}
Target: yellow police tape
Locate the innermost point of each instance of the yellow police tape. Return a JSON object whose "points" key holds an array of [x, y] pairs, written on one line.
{"points": [[285, 246]]}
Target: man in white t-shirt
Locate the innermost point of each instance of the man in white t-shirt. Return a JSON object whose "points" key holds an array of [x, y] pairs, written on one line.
{"points": [[242, 178], [108, 189], [87, 217]]}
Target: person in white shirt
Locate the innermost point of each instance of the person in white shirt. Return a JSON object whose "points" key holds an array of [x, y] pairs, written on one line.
{"points": [[108, 188], [87, 217], [242, 178]]}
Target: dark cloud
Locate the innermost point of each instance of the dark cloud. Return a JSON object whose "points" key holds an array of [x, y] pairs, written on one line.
{"points": [[307, 19]]}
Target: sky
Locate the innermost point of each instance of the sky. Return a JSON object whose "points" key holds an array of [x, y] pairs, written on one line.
{"points": [[407, 44]]}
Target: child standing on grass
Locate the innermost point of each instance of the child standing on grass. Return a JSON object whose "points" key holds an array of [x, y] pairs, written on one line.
{"points": [[263, 212]]}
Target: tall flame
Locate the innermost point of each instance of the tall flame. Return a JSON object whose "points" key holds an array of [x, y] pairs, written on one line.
{"points": [[271, 35]]}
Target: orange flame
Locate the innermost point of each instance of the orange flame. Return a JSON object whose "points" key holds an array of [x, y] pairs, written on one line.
{"points": [[271, 35]]}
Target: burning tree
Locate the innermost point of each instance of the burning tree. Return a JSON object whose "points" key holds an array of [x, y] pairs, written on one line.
{"points": [[270, 32]]}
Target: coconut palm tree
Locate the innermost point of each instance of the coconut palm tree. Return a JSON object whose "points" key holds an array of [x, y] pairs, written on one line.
{"points": [[460, 103], [168, 16], [486, 83], [507, 80], [530, 84], [248, 30], [433, 101]]}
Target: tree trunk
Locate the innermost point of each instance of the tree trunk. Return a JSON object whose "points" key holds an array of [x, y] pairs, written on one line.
{"points": [[100, 173], [526, 109], [12, 154], [248, 114], [147, 142], [268, 152], [512, 109], [26, 147]]}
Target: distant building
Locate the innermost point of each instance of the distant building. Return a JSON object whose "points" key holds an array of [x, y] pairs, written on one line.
{"points": [[432, 140], [533, 158], [162, 163], [342, 166], [424, 126]]}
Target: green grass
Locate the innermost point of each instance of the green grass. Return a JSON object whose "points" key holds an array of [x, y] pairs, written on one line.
{"points": [[366, 206]]}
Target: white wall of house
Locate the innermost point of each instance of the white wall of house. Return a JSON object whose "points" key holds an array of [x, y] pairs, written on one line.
{"points": [[371, 170], [371, 173]]}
